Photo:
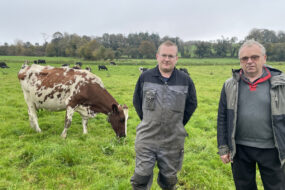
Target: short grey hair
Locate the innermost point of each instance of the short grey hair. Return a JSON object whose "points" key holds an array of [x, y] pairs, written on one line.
{"points": [[250, 43], [168, 43]]}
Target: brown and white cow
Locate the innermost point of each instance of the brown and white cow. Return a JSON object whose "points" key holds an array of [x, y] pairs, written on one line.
{"points": [[56, 89]]}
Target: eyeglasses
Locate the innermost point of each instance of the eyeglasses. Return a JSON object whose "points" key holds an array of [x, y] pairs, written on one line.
{"points": [[252, 58], [169, 56]]}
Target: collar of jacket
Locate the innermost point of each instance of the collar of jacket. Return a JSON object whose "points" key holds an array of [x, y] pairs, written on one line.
{"points": [[157, 73], [273, 71]]}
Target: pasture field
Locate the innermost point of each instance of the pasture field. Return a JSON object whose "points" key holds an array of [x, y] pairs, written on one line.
{"points": [[98, 160]]}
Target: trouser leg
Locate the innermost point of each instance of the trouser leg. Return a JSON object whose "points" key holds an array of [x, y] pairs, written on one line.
{"points": [[141, 182], [169, 162], [244, 170], [167, 182], [145, 162], [272, 174]]}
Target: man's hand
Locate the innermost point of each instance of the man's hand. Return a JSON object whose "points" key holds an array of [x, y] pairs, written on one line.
{"points": [[226, 158]]}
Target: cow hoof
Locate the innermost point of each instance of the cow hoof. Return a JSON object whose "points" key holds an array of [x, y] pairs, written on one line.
{"points": [[63, 136]]}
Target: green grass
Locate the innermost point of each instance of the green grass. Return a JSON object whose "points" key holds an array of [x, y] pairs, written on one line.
{"points": [[98, 160]]}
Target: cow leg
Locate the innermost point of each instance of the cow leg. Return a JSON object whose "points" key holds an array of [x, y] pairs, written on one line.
{"points": [[84, 124], [68, 119], [32, 111], [85, 114], [33, 117]]}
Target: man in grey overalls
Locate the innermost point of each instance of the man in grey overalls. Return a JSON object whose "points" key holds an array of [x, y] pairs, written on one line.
{"points": [[165, 99]]}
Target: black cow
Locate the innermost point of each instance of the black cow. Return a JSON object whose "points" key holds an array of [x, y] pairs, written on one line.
{"points": [[65, 65], [112, 63], [35, 62], [184, 70], [88, 69], [3, 65], [141, 69], [79, 64], [76, 67], [41, 61], [102, 67]]}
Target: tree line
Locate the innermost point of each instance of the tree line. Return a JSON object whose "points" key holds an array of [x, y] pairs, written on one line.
{"points": [[143, 45]]}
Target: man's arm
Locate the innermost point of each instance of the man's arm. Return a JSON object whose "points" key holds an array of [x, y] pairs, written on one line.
{"points": [[222, 132], [191, 102], [137, 98]]}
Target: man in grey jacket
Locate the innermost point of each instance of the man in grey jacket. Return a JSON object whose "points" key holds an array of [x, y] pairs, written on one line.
{"points": [[251, 121], [165, 99]]}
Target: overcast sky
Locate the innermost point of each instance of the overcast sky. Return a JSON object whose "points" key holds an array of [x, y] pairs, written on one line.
{"points": [[35, 20]]}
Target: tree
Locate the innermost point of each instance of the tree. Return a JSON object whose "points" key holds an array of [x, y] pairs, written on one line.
{"points": [[275, 51], [57, 49], [103, 53], [50, 50], [86, 51], [72, 44], [203, 49], [263, 36], [119, 52], [155, 39], [222, 47], [109, 54], [133, 52], [147, 49], [19, 47], [234, 46], [29, 49], [4, 49], [45, 37], [281, 36]]}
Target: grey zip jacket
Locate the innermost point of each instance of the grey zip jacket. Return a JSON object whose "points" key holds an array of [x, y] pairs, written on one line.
{"points": [[163, 107], [227, 113]]}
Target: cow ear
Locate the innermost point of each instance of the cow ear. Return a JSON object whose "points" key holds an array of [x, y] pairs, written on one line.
{"points": [[115, 108]]}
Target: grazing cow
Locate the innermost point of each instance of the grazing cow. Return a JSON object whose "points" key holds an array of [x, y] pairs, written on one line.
{"points": [[76, 67], [65, 65], [3, 65], [41, 61], [112, 63], [141, 69], [56, 89], [78, 64], [184, 70], [35, 62], [88, 69], [102, 67]]}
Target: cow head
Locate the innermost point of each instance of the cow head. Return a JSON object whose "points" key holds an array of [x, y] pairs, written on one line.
{"points": [[118, 118]]}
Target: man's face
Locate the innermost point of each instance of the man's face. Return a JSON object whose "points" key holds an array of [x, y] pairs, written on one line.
{"points": [[167, 58], [252, 60]]}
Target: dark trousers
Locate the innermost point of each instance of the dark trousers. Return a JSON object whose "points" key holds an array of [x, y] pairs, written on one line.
{"points": [[244, 168]]}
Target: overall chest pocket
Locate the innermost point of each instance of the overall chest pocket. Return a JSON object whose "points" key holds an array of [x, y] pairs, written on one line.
{"points": [[177, 100], [149, 99]]}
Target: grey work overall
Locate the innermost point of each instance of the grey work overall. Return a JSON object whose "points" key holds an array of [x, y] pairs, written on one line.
{"points": [[161, 134]]}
